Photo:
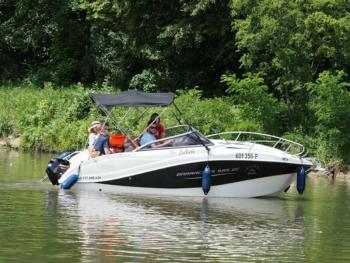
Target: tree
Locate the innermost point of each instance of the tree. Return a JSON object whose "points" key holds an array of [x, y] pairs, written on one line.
{"points": [[330, 100], [43, 41], [256, 105], [163, 45], [290, 42]]}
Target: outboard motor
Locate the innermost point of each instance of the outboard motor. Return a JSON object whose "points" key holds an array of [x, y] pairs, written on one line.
{"points": [[56, 167]]}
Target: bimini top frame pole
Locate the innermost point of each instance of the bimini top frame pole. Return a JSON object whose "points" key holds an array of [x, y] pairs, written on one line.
{"points": [[131, 98], [134, 98]]}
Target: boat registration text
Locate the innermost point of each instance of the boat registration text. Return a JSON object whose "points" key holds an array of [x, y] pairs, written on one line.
{"points": [[246, 156]]}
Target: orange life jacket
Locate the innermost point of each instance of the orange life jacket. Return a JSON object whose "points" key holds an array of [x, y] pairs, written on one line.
{"points": [[116, 141]]}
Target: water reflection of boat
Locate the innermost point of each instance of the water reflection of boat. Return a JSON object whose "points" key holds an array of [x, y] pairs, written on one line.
{"points": [[134, 227], [102, 204]]}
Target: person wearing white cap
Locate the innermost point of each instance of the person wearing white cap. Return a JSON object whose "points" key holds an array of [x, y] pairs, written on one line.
{"points": [[94, 131]]}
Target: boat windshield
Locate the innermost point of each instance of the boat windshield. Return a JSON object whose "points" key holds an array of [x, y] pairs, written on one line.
{"points": [[189, 138]]}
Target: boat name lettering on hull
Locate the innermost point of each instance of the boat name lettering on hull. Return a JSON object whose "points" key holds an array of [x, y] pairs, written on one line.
{"points": [[186, 152], [249, 156], [189, 173], [86, 178], [213, 171]]}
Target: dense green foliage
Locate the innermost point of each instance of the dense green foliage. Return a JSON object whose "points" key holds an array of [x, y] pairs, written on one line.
{"points": [[274, 66], [58, 119], [290, 43], [147, 44], [330, 103], [256, 104], [46, 119]]}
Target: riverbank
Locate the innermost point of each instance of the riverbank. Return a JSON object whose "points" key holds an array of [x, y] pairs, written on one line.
{"points": [[338, 176], [10, 142]]}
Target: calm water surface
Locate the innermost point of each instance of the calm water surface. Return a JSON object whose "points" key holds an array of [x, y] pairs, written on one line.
{"points": [[39, 223]]}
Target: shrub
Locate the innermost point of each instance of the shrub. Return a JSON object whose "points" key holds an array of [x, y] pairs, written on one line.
{"points": [[256, 105], [330, 100]]}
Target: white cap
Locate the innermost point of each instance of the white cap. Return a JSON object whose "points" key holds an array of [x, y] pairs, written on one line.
{"points": [[94, 124]]}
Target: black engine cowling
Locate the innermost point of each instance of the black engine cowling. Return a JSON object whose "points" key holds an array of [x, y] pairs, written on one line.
{"points": [[56, 167]]}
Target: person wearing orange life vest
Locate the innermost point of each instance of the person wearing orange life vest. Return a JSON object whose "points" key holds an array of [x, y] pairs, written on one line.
{"points": [[117, 142]]}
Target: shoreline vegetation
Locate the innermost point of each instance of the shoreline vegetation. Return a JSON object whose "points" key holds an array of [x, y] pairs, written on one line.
{"points": [[56, 119]]}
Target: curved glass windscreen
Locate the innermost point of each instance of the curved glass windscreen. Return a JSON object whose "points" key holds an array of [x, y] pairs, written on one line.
{"points": [[191, 138]]}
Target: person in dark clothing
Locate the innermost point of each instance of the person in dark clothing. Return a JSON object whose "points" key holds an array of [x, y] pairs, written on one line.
{"points": [[102, 142]]}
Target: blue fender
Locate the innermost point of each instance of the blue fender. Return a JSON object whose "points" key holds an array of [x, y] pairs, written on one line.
{"points": [[301, 180], [206, 179], [70, 181]]}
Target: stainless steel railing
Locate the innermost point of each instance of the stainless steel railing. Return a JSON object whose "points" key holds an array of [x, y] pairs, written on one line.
{"points": [[261, 138]]}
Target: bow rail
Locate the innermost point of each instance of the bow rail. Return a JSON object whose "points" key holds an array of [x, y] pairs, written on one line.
{"points": [[280, 143]]}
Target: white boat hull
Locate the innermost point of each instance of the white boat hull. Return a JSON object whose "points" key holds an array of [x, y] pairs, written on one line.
{"points": [[266, 186], [178, 172]]}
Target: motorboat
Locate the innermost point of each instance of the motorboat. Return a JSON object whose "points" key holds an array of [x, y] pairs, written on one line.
{"points": [[228, 164]]}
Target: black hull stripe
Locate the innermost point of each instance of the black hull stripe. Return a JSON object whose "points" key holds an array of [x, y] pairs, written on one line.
{"points": [[189, 175]]}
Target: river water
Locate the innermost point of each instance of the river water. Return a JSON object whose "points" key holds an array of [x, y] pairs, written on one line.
{"points": [[40, 223]]}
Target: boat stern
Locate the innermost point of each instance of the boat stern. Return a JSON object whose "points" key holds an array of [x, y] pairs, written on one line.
{"points": [[56, 167]]}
